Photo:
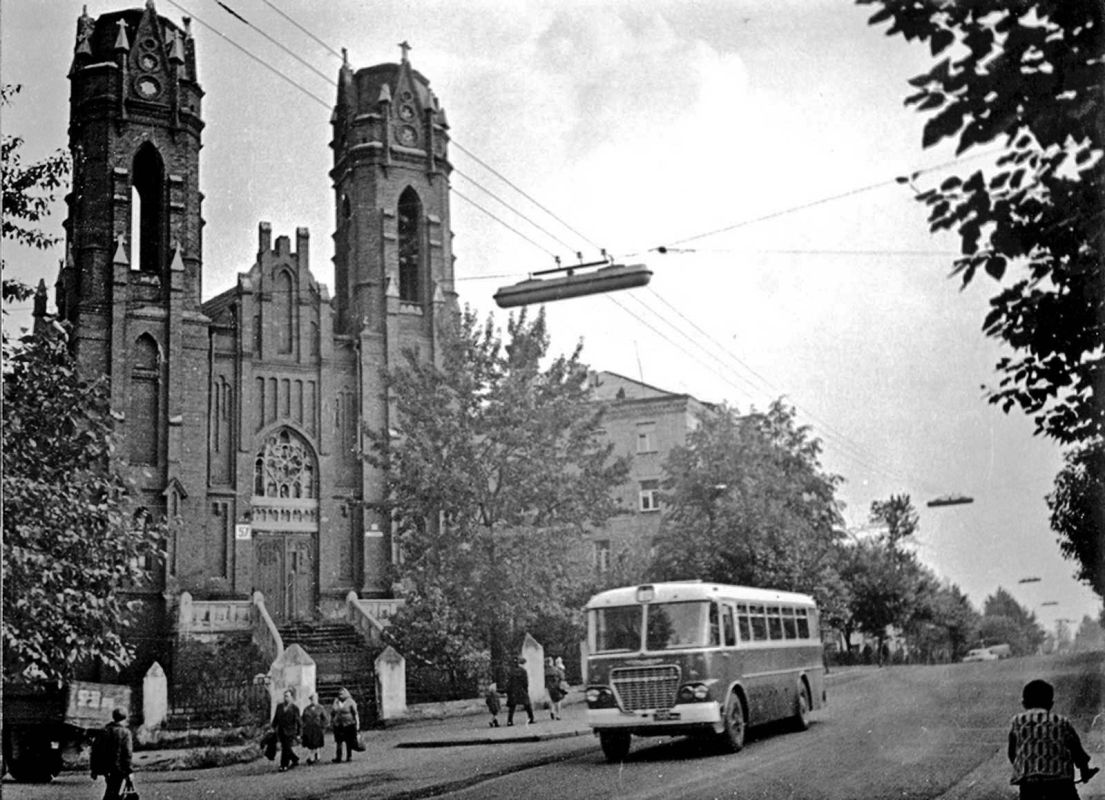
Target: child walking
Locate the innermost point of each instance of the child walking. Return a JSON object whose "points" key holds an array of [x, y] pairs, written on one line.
{"points": [[493, 703], [1044, 748]]}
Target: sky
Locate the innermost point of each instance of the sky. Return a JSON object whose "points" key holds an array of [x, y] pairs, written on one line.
{"points": [[756, 141]]}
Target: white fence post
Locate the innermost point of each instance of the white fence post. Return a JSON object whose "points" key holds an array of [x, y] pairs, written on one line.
{"points": [[155, 696], [391, 684]]}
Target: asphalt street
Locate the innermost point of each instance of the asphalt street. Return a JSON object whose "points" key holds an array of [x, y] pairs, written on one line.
{"points": [[898, 732]]}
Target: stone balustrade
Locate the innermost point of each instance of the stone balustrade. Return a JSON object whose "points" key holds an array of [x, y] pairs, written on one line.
{"points": [[202, 618]]}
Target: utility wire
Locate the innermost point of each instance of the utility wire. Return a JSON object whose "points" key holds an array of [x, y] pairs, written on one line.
{"points": [[524, 194], [507, 205], [831, 198], [273, 41], [332, 51], [258, 59], [503, 222]]}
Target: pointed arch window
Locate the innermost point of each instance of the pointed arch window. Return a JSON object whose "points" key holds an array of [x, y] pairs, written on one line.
{"points": [[410, 247], [284, 301], [148, 229], [144, 401], [285, 468]]}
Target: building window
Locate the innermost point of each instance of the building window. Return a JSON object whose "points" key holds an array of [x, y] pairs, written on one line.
{"points": [[646, 437], [602, 555], [410, 247], [649, 495], [284, 468], [147, 210]]}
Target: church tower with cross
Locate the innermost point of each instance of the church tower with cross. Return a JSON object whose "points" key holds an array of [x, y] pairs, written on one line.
{"points": [[244, 413]]}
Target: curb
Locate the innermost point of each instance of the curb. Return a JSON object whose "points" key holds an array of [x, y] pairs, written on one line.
{"points": [[486, 740]]}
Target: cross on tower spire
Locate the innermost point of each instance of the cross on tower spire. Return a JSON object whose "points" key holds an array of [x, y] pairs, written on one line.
{"points": [[406, 49]]}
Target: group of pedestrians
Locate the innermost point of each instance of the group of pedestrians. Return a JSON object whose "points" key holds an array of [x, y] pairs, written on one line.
{"points": [[517, 691], [289, 725]]}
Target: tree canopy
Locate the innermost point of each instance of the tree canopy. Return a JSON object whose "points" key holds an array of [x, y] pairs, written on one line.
{"points": [[1027, 75], [1077, 505], [71, 543], [746, 501], [1005, 621], [495, 469]]}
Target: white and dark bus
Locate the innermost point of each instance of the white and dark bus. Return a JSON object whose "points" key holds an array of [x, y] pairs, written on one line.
{"points": [[695, 658]]}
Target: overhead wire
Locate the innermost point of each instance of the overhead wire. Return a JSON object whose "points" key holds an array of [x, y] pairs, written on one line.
{"points": [[273, 41], [547, 211]]}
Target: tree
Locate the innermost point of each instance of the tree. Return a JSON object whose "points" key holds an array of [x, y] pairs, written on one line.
{"points": [[72, 547], [887, 585], [29, 192], [495, 470], [1077, 506], [1005, 621], [944, 624], [71, 544], [1028, 75], [746, 502]]}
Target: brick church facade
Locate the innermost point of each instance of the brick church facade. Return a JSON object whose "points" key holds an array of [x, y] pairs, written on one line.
{"points": [[243, 413]]}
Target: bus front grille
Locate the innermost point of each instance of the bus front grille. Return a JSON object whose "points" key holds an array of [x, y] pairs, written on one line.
{"points": [[646, 687]]}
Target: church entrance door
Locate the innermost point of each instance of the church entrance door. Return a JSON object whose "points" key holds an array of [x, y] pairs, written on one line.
{"points": [[285, 571]]}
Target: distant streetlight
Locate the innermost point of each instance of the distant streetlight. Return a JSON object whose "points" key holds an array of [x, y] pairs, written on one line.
{"points": [[949, 500], [1029, 580]]}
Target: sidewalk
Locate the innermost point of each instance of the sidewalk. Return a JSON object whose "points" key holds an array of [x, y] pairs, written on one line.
{"points": [[474, 730], [443, 725]]}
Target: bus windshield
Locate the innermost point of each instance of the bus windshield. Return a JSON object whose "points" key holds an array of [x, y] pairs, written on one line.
{"points": [[670, 625]]}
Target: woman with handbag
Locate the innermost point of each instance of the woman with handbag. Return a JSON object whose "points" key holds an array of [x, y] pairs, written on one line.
{"points": [[553, 679], [345, 723]]}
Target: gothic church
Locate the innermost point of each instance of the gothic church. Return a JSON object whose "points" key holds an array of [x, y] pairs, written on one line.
{"points": [[245, 410]]}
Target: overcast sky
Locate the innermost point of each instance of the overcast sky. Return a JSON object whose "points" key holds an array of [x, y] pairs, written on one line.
{"points": [[642, 125]]}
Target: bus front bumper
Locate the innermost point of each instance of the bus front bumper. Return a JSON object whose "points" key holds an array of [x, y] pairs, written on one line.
{"points": [[683, 718]]}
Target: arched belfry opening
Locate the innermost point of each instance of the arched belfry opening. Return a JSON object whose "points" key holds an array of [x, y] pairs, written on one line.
{"points": [[410, 247], [148, 210]]}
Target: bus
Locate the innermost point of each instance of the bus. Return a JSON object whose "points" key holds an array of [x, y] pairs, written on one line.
{"points": [[695, 658]]}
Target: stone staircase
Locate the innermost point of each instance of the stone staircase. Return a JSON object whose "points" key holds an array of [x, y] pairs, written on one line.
{"points": [[341, 659]]}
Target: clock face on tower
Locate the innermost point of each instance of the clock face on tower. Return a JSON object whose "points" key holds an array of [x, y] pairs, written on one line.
{"points": [[147, 87], [406, 112], [148, 61], [406, 135]]}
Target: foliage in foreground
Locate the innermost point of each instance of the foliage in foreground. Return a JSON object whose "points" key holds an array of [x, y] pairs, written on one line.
{"points": [[71, 545]]}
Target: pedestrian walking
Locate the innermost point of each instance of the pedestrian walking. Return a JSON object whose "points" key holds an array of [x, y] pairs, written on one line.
{"points": [[111, 755], [288, 726], [1044, 748], [346, 723], [491, 697], [517, 692], [554, 677], [315, 720]]}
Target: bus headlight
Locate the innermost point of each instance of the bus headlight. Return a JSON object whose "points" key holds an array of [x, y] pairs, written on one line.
{"points": [[694, 693], [599, 697]]}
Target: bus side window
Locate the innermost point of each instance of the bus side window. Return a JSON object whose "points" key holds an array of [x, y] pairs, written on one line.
{"points": [[774, 622], [746, 627], [715, 639], [803, 624], [759, 623], [789, 630], [727, 628]]}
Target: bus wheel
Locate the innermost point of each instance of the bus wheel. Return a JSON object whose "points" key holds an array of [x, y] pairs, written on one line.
{"points": [[615, 745], [736, 724], [801, 719]]}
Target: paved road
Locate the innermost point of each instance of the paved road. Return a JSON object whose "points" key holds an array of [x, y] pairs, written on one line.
{"points": [[901, 732]]}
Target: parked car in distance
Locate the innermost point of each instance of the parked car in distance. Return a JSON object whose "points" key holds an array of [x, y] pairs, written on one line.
{"points": [[1000, 650], [980, 654]]}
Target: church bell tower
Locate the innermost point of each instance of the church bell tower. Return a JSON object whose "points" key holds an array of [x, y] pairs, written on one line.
{"points": [[130, 286], [393, 257]]}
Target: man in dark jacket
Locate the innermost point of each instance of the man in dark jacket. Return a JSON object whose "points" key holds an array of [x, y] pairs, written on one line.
{"points": [[111, 754], [517, 692], [287, 724]]}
